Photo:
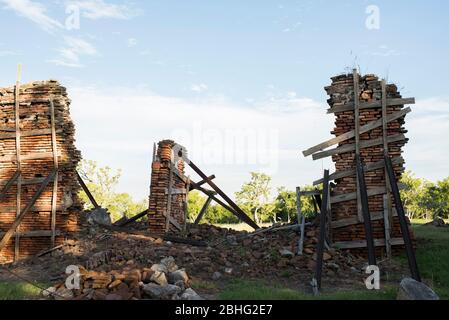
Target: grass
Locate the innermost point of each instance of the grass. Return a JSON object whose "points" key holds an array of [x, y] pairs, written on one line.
{"points": [[258, 290], [433, 256], [18, 291]]}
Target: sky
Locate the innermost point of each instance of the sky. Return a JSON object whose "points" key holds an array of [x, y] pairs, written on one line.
{"points": [[239, 83]]}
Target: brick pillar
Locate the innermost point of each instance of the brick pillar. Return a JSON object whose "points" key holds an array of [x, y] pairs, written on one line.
{"points": [[341, 92], [159, 197]]}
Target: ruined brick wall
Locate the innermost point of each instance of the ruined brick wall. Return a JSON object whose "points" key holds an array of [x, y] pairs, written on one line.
{"points": [[37, 162], [341, 92], [159, 197]]}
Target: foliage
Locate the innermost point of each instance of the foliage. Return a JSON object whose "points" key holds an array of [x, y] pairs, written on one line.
{"points": [[101, 182], [423, 199], [254, 195]]}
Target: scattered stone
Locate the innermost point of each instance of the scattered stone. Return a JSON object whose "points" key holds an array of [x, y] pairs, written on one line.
{"points": [[286, 253], [159, 278], [159, 268], [178, 275], [63, 294], [170, 264], [161, 292], [410, 289], [228, 270], [216, 276], [99, 216], [189, 294]]}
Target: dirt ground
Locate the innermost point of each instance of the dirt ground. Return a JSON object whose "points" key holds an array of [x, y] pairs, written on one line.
{"points": [[227, 255]]}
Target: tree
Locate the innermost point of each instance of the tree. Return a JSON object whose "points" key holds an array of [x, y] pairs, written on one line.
{"points": [[255, 193], [101, 182]]}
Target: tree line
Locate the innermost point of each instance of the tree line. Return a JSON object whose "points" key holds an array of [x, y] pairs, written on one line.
{"points": [[422, 199]]}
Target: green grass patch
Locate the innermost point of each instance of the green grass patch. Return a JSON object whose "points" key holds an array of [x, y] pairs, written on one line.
{"points": [[18, 291], [432, 255], [258, 290]]}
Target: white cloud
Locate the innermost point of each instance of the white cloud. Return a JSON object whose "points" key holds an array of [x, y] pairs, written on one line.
{"points": [[199, 87], [203, 126], [132, 42], [69, 56], [4, 53], [97, 9], [34, 11]]}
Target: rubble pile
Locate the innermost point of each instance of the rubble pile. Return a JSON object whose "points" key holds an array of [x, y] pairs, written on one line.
{"points": [[162, 281]]}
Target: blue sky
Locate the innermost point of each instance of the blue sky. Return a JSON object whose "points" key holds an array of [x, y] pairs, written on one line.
{"points": [[141, 71]]}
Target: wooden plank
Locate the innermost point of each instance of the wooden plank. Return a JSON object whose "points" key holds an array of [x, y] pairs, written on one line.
{"points": [[202, 211], [30, 156], [240, 214], [387, 197], [311, 193], [341, 223], [387, 228], [35, 233], [29, 133], [363, 129], [130, 220], [54, 199], [372, 104], [19, 219], [369, 167], [26, 181], [170, 189], [322, 234], [9, 184], [366, 212], [363, 144], [18, 158], [86, 190], [355, 77], [301, 220], [8, 129], [353, 195], [186, 204], [176, 191], [202, 182], [362, 243], [35, 208]]}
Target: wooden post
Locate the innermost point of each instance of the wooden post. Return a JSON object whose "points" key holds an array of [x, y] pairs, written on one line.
{"points": [[186, 206], [169, 196], [54, 200], [387, 200], [18, 156], [301, 221], [86, 190], [366, 213], [402, 221], [355, 76], [322, 236], [203, 211]]}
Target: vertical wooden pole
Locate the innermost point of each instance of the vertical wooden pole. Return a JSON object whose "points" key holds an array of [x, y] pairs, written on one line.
{"points": [[203, 211], [322, 236], [355, 76], [186, 206], [169, 198], [387, 201], [301, 221], [18, 157], [54, 199]]}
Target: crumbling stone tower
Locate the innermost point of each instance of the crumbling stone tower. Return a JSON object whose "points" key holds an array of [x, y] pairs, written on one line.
{"points": [[167, 210]]}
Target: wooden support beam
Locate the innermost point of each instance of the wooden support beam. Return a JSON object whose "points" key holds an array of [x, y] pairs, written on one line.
{"points": [[29, 156], [369, 167], [9, 184], [357, 146], [242, 215], [20, 217], [387, 197], [353, 195], [203, 211], [362, 243], [363, 144], [301, 220], [202, 182], [54, 199], [322, 235], [18, 158], [86, 190], [351, 134], [341, 223], [34, 233], [186, 204], [170, 199], [366, 213], [130, 220], [402, 221], [372, 104], [29, 133]]}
